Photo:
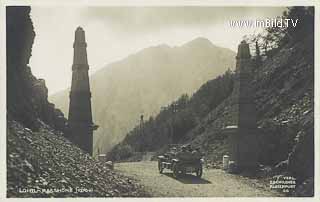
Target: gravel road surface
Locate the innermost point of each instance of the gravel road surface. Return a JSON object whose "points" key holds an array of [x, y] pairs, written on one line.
{"points": [[214, 182]]}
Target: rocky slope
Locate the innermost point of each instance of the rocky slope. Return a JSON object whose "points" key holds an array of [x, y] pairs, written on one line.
{"points": [[145, 81], [41, 162], [49, 164]]}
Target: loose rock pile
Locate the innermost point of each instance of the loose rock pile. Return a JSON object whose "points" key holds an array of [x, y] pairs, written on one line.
{"points": [[45, 164]]}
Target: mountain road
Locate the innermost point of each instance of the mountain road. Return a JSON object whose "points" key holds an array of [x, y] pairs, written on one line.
{"points": [[214, 182]]}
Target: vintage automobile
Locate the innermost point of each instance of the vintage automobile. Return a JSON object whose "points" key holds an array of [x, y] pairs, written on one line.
{"points": [[181, 163]]}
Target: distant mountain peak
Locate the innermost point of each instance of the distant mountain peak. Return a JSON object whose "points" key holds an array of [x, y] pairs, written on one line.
{"points": [[199, 42], [157, 48], [163, 46]]}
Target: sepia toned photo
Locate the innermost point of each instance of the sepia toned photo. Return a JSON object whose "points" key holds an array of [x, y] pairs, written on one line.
{"points": [[160, 101]]}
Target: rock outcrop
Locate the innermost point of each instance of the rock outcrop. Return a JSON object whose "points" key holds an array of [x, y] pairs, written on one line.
{"points": [[27, 96]]}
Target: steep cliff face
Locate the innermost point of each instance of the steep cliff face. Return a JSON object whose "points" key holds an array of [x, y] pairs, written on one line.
{"points": [[27, 96]]}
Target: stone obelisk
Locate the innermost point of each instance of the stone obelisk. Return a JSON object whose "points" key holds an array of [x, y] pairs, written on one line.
{"points": [[242, 127], [80, 116]]}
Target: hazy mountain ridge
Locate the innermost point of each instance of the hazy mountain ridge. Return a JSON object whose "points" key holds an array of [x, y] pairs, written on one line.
{"points": [[145, 81]]}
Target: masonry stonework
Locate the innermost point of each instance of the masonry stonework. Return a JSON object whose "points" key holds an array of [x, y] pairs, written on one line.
{"points": [[242, 131], [80, 115]]}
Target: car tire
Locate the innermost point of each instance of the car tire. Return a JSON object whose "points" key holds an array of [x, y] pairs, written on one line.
{"points": [[175, 171], [160, 167], [199, 172]]}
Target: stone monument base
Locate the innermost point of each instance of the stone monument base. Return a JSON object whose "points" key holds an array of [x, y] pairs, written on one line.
{"points": [[243, 147], [82, 135]]}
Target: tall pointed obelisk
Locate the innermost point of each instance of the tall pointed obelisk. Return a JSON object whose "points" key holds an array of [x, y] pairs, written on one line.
{"points": [[242, 126], [80, 116]]}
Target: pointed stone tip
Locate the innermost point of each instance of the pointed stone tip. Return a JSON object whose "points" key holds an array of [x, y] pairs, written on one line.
{"points": [[79, 28], [243, 50], [79, 35]]}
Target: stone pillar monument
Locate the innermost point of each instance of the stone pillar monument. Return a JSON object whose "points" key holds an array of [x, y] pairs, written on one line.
{"points": [[80, 116], [242, 128]]}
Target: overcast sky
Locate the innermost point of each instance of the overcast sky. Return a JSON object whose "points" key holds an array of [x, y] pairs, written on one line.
{"points": [[112, 33]]}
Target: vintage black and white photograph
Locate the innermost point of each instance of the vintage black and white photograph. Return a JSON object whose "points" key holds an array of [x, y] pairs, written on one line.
{"points": [[159, 101]]}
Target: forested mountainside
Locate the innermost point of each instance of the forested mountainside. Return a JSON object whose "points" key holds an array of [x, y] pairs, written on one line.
{"points": [[284, 97], [39, 157], [143, 82], [175, 120]]}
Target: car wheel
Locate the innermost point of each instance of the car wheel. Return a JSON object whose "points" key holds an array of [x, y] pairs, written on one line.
{"points": [[160, 167], [175, 171], [199, 172]]}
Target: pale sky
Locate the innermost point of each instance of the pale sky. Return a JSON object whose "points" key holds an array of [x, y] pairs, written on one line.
{"points": [[112, 33]]}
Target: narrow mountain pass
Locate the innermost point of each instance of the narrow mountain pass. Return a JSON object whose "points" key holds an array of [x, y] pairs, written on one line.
{"points": [[214, 182]]}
